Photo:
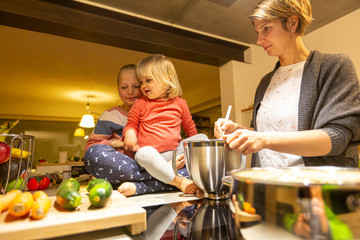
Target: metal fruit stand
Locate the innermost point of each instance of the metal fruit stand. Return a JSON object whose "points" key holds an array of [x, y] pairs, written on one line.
{"points": [[17, 170]]}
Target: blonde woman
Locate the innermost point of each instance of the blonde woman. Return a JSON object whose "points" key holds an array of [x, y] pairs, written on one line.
{"points": [[155, 121], [307, 109]]}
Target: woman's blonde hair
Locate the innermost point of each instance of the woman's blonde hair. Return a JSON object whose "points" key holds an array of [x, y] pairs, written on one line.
{"points": [[160, 69], [282, 10]]}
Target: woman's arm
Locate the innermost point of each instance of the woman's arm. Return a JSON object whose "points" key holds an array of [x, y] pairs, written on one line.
{"points": [[303, 143], [329, 100]]}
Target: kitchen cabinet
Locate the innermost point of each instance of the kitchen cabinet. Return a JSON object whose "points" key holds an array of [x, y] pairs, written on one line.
{"points": [[204, 126]]}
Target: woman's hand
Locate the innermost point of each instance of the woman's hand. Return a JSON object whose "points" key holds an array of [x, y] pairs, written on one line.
{"points": [[245, 141], [221, 128], [131, 141]]}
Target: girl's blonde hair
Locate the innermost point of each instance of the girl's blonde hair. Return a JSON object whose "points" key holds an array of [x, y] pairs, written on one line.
{"points": [[282, 10], [160, 69]]}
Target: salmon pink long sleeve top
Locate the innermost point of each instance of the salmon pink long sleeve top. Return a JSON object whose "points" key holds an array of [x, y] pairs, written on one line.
{"points": [[158, 122]]}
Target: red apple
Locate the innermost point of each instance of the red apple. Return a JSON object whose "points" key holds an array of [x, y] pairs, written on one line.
{"points": [[44, 183], [4, 152], [33, 184]]}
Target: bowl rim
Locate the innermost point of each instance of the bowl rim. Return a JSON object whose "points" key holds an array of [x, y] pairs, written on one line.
{"points": [[203, 143], [330, 169]]}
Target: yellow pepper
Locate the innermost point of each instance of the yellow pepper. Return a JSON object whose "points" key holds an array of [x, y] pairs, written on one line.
{"points": [[16, 153]]}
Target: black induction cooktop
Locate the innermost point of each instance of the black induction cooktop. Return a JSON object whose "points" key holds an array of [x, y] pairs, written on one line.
{"points": [[200, 219], [208, 220]]}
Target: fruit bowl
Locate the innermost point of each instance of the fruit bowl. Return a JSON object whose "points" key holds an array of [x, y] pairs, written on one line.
{"points": [[16, 158]]}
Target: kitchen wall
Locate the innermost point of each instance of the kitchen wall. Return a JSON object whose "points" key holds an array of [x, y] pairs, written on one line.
{"points": [[341, 36], [238, 81]]}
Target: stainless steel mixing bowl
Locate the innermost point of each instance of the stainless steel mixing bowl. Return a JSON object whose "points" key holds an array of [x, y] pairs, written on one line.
{"points": [[207, 162]]}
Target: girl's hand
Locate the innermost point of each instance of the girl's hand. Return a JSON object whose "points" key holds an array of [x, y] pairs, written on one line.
{"points": [[131, 141], [117, 143], [180, 161], [245, 141]]}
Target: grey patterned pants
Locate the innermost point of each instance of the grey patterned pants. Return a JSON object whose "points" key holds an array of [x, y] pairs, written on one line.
{"points": [[103, 161]]}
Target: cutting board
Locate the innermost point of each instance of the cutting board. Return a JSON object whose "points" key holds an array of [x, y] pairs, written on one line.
{"points": [[59, 222]]}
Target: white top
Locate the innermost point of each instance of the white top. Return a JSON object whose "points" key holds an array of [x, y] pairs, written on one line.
{"points": [[278, 112]]}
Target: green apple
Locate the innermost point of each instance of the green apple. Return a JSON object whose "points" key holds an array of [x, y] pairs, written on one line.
{"points": [[12, 186]]}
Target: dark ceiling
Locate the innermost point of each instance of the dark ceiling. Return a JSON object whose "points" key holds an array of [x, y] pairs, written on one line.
{"points": [[223, 18]]}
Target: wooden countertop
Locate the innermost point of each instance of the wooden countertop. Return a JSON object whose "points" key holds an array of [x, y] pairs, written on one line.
{"points": [[59, 222]]}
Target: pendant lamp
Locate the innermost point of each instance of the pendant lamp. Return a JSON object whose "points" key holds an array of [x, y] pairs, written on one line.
{"points": [[87, 120], [79, 132]]}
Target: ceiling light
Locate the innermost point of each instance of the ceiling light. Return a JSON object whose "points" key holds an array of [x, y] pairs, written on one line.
{"points": [[87, 120], [79, 132]]}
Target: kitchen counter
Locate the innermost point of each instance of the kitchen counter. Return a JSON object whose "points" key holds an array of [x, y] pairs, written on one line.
{"points": [[60, 222], [43, 168]]}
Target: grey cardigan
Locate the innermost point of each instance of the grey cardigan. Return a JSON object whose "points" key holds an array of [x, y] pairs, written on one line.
{"points": [[330, 101]]}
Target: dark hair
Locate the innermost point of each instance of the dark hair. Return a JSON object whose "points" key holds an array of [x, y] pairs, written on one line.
{"points": [[124, 68]]}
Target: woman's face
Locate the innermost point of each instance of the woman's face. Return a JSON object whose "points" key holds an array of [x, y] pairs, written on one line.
{"points": [[129, 88], [273, 37], [152, 89]]}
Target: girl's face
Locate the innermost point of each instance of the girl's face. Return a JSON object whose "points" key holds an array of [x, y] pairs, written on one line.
{"points": [[272, 37], [152, 89], [129, 88]]}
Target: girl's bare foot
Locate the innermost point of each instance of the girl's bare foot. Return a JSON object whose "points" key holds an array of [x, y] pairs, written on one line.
{"points": [[199, 194], [188, 186], [127, 189], [184, 184]]}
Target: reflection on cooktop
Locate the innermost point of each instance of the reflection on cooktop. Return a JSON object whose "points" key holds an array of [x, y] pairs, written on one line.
{"points": [[201, 219]]}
